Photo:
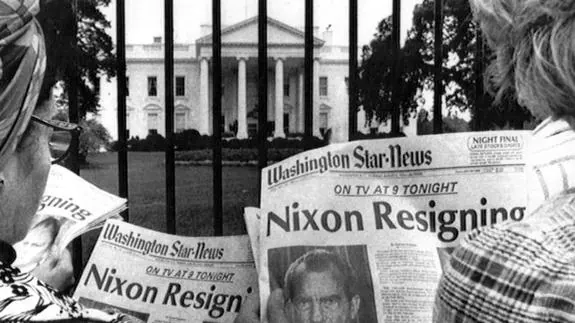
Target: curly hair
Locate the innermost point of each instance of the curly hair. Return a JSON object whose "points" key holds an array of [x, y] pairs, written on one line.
{"points": [[534, 44]]}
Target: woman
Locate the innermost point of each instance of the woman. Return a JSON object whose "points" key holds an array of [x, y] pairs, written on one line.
{"points": [[525, 272], [24, 164]]}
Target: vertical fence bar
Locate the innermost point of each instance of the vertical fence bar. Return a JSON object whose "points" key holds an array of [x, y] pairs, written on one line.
{"points": [[72, 79], [437, 81], [169, 117], [262, 87], [395, 36], [352, 77], [308, 69], [121, 87], [479, 87], [74, 116], [216, 117]]}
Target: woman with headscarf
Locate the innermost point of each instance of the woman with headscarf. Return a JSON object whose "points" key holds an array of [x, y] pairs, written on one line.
{"points": [[525, 271], [25, 129]]}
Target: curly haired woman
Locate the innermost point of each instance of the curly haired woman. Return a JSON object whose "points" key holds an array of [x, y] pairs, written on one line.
{"points": [[525, 272]]}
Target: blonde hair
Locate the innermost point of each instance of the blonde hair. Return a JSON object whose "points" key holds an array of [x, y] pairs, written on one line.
{"points": [[534, 44]]}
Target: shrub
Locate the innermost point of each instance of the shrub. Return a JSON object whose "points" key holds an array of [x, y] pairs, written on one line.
{"points": [[93, 137], [153, 142], [192, 140], [377, 135], [237, 155], [275, 155], [295, 135]]}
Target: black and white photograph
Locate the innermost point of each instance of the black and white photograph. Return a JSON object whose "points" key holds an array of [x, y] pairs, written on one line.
{"points": [[320, 284], [181, 110]]}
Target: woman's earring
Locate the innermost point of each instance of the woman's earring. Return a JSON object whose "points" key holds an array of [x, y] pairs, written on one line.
{"points": [[7, 253]]}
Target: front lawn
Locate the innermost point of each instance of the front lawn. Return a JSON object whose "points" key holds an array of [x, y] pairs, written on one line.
{"points": [[147, 187]]}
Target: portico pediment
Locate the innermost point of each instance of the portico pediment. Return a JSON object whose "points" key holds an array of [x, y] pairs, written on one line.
{"points": [[246, 33]]}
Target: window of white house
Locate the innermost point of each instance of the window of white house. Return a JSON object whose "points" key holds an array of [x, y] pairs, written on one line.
{"points": [[323, 86], [322, 122], [286, 123], [346, 80], [127, 86], [152, 86], [180, 123], [180, 85], [252, 129], [153, 122], [286, 88]]}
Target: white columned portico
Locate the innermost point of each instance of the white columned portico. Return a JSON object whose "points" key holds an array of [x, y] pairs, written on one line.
{"points": [[204, 118], [316, 102], [242, 113], [300, 109], [279, 101]]}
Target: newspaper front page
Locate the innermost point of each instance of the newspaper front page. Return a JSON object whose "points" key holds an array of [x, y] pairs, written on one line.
{"points": [[356, 232], [158, 277], [69, 207]]}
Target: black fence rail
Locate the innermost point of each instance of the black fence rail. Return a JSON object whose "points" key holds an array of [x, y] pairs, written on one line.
{"points": [[262, 61]]}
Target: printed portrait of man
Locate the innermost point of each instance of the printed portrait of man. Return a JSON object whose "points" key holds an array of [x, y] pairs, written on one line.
{"points": [[320, 286], [36, 246]]}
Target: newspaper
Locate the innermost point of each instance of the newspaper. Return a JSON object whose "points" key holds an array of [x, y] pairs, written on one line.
{"points": [[357, 231], [70, 207], [252, 219], [157, 277]]}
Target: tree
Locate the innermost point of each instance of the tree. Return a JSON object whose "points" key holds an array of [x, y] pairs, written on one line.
{"points": [[93, 138], [88, 52], [458, 72], [376, 76], [459, 64]]}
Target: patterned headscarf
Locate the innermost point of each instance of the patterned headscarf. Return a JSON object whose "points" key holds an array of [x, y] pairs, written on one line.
{"points": [[22, 65]]}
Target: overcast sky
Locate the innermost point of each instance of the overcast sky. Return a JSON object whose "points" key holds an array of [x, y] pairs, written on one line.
{"points": [[145, 18]]}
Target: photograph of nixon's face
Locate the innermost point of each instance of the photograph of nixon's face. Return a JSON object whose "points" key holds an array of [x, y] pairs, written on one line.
{"points": [[321, 285]]}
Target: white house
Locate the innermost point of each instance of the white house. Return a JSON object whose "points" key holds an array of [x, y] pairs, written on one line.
{"points": [[193, 84]]}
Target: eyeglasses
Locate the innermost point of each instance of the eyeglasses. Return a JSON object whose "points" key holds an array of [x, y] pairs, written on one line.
{"points": [[63, 136]]}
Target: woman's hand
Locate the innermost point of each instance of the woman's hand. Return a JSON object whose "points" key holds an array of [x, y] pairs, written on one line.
{"points": [[250, 311], [276, 307], [57, 270]]}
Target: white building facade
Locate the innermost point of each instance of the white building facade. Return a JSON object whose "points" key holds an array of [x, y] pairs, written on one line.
{"points": [[193, 84]]}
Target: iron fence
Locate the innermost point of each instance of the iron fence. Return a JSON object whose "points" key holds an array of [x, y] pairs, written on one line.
{"points": [[216, 61]]}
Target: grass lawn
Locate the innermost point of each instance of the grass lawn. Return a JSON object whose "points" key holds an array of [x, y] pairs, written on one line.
{"points": [[147, 197]]}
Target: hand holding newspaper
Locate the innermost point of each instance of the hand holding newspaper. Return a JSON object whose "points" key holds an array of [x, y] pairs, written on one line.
{"points": [[358, 231], [70, 207]]}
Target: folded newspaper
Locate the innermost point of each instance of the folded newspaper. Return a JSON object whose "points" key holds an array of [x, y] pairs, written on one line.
{"points": [[158, 277], [70, 207], [357, 231]]}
